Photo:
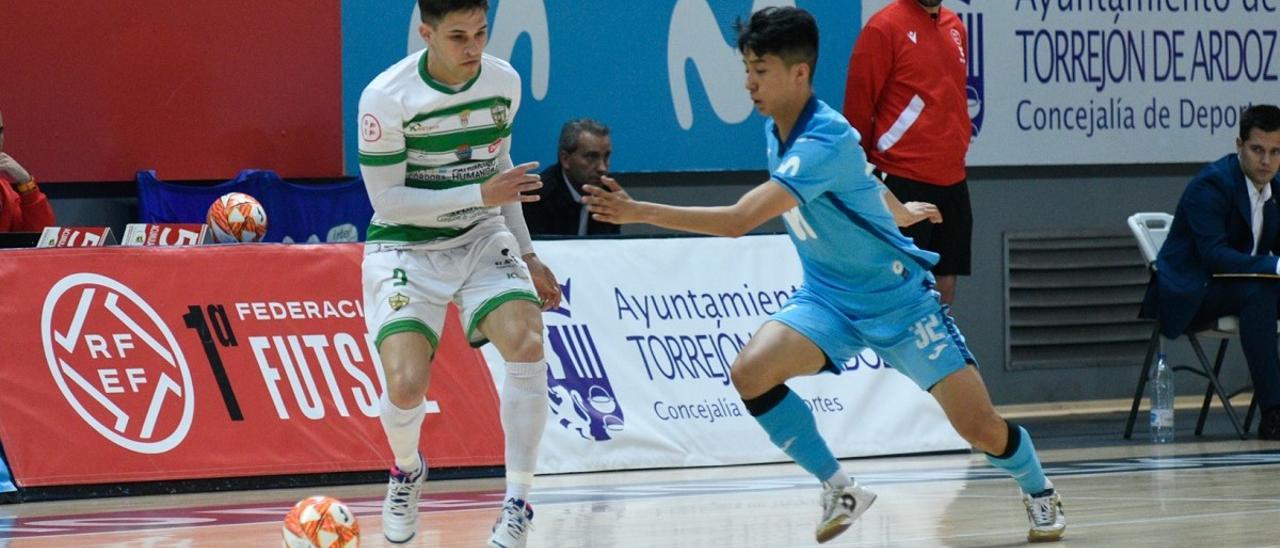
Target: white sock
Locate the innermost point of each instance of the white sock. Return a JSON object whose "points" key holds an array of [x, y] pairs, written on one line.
{"points": [[524, 416], [404, 429], [839, 480]]}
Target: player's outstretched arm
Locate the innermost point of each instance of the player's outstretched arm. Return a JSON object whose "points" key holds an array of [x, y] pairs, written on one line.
{"points": [[910, 213], [764, 202]]}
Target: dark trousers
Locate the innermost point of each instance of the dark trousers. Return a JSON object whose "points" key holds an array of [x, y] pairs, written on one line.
{"points": [[1255, 302]]}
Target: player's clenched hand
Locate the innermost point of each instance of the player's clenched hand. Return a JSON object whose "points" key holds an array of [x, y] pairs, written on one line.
{"points": [[11, 171], [611, 204], [919, 211], [511, 186], [544, 281]]}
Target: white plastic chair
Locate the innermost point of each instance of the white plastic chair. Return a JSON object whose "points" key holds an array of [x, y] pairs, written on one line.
{"points": [[1150, 230]]}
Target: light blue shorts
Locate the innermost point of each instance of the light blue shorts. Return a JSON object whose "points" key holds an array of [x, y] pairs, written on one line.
{"points": [[919, 339]]}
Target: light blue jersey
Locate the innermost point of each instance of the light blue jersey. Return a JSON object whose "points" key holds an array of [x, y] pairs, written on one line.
{"points": [[865, 284], [852, 251]]}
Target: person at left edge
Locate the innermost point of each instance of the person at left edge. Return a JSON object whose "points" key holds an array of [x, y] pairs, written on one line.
{"points": [[23, 207]]}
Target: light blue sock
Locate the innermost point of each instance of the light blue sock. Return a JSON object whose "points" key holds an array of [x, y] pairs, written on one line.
{"points": [[791, 427], [1023, 464]]}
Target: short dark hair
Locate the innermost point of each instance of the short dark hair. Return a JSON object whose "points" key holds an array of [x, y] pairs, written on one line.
{"points": [[570, 131], [434, 10], [789, 33], [1262, 117]]}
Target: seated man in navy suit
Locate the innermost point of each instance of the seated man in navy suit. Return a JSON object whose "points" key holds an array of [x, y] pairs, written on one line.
{"points": [[1227, 221], [583, 157]]}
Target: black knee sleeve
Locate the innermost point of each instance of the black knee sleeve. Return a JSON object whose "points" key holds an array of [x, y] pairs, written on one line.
{"points": [[1012, 444], [761, 404]]}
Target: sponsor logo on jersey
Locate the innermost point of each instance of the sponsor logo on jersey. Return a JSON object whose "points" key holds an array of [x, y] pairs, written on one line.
{"points": [[467, 214], [421, 127], [463, 152]]}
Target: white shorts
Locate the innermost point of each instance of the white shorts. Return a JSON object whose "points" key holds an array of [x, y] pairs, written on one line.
{"points": [[409, 289]]}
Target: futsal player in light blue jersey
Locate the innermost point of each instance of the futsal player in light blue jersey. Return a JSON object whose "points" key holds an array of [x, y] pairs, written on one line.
{"points": [[865, 285]]}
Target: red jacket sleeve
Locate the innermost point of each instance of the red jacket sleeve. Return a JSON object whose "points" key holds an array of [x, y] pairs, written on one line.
{"points": [[869, 68], [36, 213]]}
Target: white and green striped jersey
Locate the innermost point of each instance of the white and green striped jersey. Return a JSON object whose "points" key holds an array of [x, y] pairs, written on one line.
{"points": [[426, 147]]}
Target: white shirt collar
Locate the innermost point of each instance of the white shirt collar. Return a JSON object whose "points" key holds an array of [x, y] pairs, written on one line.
{"points": [[1257, 200], [577, 196], [1255, 195]]}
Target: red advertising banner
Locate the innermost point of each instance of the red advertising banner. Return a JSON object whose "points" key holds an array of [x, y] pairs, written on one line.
{"points": [[152, 363]]}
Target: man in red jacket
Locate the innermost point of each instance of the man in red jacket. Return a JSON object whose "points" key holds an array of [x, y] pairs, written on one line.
{"points": [[23, 208], [906, 97]]}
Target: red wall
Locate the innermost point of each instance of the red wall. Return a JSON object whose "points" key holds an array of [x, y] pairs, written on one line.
{"points": [[94, 90]]}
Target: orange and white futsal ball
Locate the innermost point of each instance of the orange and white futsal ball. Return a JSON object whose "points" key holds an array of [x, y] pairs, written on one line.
{"points": [[237, 217], [321, 522]]}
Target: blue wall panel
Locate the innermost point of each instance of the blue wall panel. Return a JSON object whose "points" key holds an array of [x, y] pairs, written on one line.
{"points": [[615, 60]]}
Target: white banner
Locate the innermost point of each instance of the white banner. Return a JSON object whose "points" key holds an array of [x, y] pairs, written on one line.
{"points": [[1113, 81], [640, 354]]}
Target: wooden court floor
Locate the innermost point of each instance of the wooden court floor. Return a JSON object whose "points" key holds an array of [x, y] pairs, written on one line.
{"points": [[1194, 493]]}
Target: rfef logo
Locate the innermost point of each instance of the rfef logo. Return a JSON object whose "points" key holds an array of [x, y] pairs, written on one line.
{"points": [[582, 398], [117, 363]]}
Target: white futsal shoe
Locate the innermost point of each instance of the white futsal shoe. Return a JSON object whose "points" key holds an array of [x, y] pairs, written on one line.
{"points": [[400, 508], [1048, 521], [513, 525], [840, 507]]}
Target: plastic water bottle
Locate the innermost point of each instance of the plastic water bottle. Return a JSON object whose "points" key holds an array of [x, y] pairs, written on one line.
{"points": [[1161, 401]]}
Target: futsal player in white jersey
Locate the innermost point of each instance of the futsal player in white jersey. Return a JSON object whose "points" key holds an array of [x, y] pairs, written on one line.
{"points": [[435, 139]]}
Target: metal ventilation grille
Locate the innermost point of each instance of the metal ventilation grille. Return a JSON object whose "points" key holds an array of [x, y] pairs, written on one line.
{"points": [[1072, 299]]}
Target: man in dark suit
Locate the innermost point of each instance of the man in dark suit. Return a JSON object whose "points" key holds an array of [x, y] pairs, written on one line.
{"points": [[584, 154], [1227, 221]]}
